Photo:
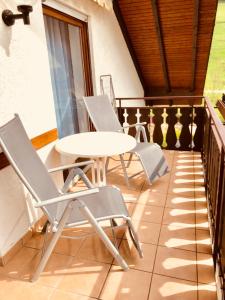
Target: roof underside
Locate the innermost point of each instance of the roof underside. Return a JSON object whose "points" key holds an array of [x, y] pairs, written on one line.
{"points": [[169, 41]]}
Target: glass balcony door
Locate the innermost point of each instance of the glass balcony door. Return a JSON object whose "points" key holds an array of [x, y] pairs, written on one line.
{"points": [[70, 69]]}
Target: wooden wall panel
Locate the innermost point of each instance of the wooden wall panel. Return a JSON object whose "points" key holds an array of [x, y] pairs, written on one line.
{"points": [[140, 24], [186, 29]]}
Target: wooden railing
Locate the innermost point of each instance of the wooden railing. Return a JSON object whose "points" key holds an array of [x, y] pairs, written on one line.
{"points": [[172, 126], [214, 166], [221, 107]]}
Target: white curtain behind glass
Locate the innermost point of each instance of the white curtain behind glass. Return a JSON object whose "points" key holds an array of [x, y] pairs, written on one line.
{"points": [[77, 62], [62, 75]]}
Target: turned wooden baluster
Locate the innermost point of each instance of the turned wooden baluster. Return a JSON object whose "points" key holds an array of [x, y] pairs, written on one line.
{"points": [[185, 136], [164, 128], [192, 128], [178, 128], [171, 120], [151, 126]]}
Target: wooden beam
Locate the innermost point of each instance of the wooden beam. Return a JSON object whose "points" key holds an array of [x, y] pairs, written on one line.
{"points": [[125, 33], [161, 45], [44, 139], [37, 142], [194, 45]]}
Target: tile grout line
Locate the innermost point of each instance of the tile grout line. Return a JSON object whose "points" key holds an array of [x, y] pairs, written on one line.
{"points": [[72, 257], [183, 249], [136, 202], [52, 292], [195, 225], [174, 277], [201, 229], [192, 281], [198, 282], [107, 275], [150, 283], [157, 245], [121, 239], [74, 293]]}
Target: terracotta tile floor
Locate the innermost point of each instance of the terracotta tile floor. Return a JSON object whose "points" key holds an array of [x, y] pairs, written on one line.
{"points": [[171, 219]]}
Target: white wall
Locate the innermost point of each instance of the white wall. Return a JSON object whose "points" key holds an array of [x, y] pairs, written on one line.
{"points": [[25, 84], [25, 88]]}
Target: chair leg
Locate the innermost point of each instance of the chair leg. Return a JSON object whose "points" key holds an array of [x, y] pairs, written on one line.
{"points": [[53, 242], [46, 232], [109, 245], [145, 171], [130, 159], [134, 237], [124, 170], [112, 222]]}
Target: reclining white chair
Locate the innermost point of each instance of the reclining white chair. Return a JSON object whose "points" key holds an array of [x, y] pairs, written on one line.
{"points": [[63, 210], [150, 155]]}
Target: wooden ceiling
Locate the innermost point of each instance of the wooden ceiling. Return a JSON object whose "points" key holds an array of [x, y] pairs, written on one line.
{"points": [[169, 41]]}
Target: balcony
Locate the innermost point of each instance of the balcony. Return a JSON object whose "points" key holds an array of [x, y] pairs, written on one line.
{"points": [[163, 50], [179, 221]]}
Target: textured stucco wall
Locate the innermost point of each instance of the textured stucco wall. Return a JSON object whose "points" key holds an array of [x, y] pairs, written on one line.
{"points": [[25, 84], [25, 88]]}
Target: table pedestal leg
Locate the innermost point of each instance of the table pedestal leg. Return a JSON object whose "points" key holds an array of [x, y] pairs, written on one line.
{"points": [[98, 171], [93, 174]]}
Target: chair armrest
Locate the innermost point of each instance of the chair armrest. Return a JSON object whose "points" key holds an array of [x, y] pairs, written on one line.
{"points": [[67, 197], [75, 165], [140, 129], [136, 124]]}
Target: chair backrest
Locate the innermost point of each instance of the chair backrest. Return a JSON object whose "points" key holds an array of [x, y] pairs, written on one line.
{"points": [[102, 113], [26, 162]]}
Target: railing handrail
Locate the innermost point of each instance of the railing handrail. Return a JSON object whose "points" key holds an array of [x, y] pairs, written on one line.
{"points": [[220, 129], [167, 106], [160, 98], [170, 100]]}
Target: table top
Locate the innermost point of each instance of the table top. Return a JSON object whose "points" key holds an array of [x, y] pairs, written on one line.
{"points": [[95, 144]]}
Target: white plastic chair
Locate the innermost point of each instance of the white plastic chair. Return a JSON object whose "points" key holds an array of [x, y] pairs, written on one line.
{"points": [[150, 155], [62, 208]]}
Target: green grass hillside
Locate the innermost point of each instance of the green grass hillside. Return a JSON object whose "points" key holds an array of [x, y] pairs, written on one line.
{"points": [[215, 79]]}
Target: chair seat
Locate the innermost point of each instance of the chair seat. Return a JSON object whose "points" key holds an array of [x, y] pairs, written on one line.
{"points": [[109, 202], [152, 159], [142, 147]]}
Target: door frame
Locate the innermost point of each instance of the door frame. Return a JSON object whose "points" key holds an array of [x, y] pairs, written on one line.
{"points": [[86, 58]]}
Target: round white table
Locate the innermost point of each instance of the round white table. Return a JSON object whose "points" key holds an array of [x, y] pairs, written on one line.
{"points": [[97, 146]]}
